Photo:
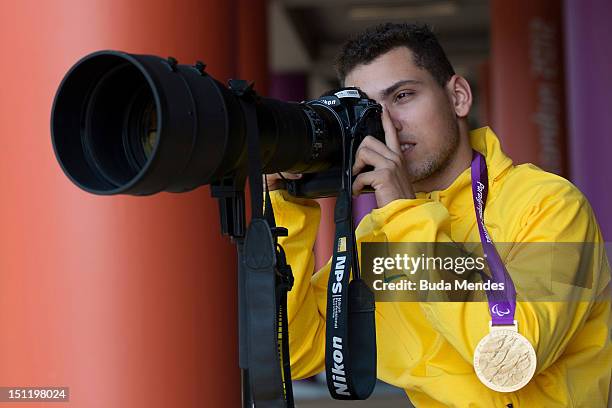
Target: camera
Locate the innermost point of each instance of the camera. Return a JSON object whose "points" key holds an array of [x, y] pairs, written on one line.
{"points": [[140, 124]]}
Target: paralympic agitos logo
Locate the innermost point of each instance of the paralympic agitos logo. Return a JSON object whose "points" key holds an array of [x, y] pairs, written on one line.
{"points": [[501, 313]]}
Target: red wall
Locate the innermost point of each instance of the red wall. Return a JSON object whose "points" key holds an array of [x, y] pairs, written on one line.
{"points": [[128, 301], [527, 81]]}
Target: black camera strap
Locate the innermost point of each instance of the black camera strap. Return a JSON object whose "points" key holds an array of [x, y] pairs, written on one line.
{"points": [[284, 283], [268, 278], [350, 341]]}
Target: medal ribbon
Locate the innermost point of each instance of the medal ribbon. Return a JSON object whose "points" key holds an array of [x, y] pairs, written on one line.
{"points": [[502, 303]]}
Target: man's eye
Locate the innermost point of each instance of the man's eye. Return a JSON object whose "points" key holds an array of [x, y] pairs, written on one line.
{"points": [[403, 94]]}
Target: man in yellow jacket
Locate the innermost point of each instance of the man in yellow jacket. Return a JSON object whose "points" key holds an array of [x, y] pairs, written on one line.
{"points": [[422, 185]]}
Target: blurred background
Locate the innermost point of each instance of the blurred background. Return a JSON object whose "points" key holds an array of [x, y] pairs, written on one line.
{"points": [[130, 301], [528, 67]]}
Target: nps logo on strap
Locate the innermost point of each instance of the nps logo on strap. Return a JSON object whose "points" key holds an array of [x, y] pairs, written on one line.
{"points": [[501, 313], [339, 272], [342, 244]]}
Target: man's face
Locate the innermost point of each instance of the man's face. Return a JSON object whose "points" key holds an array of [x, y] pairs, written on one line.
{"points": [[420, 109]]}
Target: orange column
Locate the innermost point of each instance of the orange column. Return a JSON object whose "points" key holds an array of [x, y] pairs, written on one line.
{"points": [[253, 43], [252, 54], [128, 301], [527, 81]]}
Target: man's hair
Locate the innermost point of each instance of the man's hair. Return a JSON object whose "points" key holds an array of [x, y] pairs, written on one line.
{"points": [[365, 47]]}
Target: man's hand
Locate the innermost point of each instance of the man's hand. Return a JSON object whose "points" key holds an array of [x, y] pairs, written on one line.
{"points": [[276, 182], [389, 178]]}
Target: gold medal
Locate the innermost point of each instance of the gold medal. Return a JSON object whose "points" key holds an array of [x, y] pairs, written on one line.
{"points": [[504, 360]]}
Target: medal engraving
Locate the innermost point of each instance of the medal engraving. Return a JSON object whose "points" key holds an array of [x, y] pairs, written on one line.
{"points": [[504, 360]]}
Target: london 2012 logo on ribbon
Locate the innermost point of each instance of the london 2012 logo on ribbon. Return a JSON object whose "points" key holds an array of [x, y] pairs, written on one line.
{"points": [[500, 313]]}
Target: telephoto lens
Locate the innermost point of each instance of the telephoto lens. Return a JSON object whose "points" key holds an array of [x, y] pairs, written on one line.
{"points": [[141, 124]]}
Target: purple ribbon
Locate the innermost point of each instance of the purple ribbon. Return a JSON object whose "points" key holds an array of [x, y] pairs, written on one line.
{"points": [[362, 205], [502, 303]]}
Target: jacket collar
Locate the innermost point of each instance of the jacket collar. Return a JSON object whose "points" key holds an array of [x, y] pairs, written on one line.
{"points": [[486, 142]]}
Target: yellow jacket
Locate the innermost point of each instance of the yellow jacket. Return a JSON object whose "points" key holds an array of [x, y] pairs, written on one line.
{"points": [[427, 347]]}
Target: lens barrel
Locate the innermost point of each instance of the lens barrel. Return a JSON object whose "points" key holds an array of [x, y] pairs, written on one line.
{"points": [[140, 124]]}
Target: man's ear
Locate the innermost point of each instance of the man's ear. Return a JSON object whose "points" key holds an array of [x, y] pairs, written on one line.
{"points": [[460, 94]]}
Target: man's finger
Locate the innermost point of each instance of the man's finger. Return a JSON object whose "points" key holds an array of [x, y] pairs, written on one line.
{"points": [[390, 132], [378, 147], [362, 180], [366, 156], [381, 148], [274, 180]]}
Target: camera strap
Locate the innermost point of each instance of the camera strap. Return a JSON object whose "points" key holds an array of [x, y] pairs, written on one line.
{"points": [[268, 278], [350, 341]]}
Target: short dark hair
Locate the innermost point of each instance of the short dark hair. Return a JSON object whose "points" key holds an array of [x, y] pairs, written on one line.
{"points": [[365, 47]]}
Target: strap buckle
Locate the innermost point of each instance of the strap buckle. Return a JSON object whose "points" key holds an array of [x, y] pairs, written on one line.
{"points": [[283, 269], [513, 326]]}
